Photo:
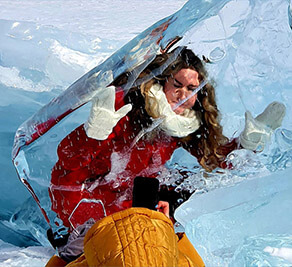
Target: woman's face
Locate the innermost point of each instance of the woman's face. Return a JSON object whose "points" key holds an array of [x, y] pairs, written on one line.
{"points": [[180, 87]]}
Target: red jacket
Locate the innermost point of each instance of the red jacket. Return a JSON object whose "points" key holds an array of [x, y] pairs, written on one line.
{"points": [[105, 170], [109, 166]]}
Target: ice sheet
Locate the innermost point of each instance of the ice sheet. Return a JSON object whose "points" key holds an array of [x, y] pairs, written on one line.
{"points": [[226, 224]]}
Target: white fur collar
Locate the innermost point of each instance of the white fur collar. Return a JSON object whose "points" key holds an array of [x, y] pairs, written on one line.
{"points": [[173, 124]]}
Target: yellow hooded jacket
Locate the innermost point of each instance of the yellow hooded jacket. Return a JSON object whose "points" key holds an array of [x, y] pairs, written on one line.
{"points": [[134, 237]]}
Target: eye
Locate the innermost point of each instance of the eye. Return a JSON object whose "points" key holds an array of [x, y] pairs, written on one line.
{"points": [[192, 88], [176, 85]]}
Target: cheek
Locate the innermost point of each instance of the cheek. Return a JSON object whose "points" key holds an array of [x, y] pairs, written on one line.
{"points": [[168, 92], [192, 101]]}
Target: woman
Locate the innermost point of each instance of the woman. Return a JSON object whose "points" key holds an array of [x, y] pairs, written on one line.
{"points": [[100, 159]]}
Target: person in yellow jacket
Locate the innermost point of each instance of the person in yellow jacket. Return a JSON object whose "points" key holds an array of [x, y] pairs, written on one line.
{"points": [[135, 237]]}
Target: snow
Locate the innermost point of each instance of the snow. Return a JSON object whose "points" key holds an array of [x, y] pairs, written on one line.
{"points": [[114, 20], [234, 214]]}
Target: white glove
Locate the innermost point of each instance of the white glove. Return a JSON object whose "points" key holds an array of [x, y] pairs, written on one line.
{"points": [[103, 117], [284, 253], [258, 130]]}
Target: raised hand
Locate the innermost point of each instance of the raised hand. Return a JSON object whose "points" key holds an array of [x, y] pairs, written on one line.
{"points": [[103, 116]]}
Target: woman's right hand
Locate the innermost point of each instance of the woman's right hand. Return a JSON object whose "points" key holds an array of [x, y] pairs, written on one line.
{"points": [[103, 116], [163, 206]]}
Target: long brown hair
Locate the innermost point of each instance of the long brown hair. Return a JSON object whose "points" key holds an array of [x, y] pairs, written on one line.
{"points": [[206, 142]]}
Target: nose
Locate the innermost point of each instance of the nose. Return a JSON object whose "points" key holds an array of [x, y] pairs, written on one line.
{"points": [[181, 93]]}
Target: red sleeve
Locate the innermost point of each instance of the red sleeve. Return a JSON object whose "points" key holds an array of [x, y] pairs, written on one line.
{"points": [[77, 150]]}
